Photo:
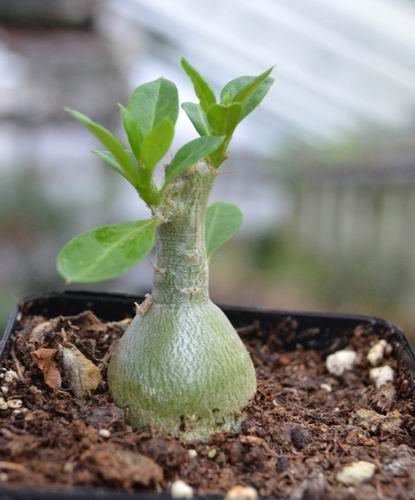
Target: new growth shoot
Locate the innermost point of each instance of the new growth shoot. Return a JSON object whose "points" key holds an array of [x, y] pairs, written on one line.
{"points": [[180, 366]]}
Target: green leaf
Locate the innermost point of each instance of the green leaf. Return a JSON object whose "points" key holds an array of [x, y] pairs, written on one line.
{"points": [[198, 117], [222, 222], [157, 143], [231, 89], [246, 91], [204, 93], [107, 157], [106, 252], [152, 102], [224, 119], [226, 98], [189, 154], [132, 129], [112, 143]]}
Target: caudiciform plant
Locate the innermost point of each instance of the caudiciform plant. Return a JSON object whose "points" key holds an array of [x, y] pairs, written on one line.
{"points": [[180, 366]]}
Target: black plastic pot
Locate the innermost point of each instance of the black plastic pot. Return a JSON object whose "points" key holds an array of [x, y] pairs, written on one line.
{"points": [[324, 332]]}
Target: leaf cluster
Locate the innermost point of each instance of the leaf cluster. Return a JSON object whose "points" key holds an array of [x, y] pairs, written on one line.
{"points": [[220, 117], [149, 121]]}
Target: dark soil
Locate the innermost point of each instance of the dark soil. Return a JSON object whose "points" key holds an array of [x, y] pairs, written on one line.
{"points": [[295, 439]]}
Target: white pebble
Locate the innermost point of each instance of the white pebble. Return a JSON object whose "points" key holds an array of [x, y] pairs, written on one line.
{"points": [[397, 466], [3, 404], [3, 477], [381, 375], [104, 433], [340, 361], [180, 489], [242, 493], [15, 404], [68, 467], [377, 352], [9, 376], [192, 453], [326, 387], [4, 389], [356, 473]]}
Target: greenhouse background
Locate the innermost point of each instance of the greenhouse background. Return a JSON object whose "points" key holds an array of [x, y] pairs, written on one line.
{"points": [[324, 172]]}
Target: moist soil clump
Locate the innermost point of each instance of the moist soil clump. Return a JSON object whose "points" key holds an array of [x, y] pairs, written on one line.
{"points": [[59, 427]]}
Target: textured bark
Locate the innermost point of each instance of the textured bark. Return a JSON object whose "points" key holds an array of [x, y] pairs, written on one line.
{"points": [[181, 366]]}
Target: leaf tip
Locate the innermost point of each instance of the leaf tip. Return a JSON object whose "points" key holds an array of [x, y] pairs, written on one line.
{"points": [[71, 111]]}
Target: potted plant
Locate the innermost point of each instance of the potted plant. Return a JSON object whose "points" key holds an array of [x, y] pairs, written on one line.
{"points": [[172, 399]]}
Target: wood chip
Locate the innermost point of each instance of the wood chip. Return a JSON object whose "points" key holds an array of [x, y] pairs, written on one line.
{"points": [[82, 374], [45, 360]]}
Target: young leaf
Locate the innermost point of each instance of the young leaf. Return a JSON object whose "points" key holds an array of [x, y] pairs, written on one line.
{"points": [[152, 102], [198, 117], [203, 91], [111, 142], [231, 89], [246, 91], [106, 252], [189, 154], [157, 143], [224, 119], [132, 130], [107, 157], [222, 222]]}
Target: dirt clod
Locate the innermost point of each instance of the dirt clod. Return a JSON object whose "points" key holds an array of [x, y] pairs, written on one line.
{"points": [[123, 467], [300, 437]]}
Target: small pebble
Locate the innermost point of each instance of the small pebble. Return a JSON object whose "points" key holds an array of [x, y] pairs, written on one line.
{"points": [[377, 352], [3, 477], [4, 389], [212, 453], [180, 489], [356, 473], [192, 453], [3, 404], [104, 433], [9, 376], [341, 361], [68, 467], [381, 375], [242, 493], [397, 467], [326, 387], [15, 404]]}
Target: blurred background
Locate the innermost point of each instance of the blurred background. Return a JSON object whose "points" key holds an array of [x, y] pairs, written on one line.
{"points": [[324, 171]]}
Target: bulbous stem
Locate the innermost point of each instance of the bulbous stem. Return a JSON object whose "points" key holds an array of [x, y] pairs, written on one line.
{"points": [[180, 366], [182, 273]]}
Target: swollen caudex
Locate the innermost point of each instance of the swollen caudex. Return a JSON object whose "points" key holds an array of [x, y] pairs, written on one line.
{"points": [[180, 366]]}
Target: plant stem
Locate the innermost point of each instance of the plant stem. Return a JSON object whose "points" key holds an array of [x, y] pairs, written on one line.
{"points": [[182, 273], [180, 366]]}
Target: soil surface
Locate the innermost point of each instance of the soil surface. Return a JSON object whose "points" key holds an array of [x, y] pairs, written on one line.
{"points": [[302, 428]]}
